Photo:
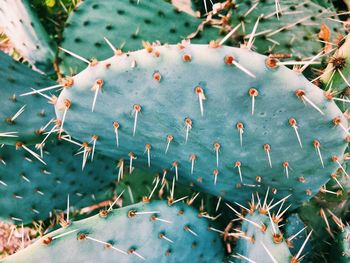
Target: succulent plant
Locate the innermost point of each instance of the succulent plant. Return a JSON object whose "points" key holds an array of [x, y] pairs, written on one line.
{"points": [[175, 119], [23, 118], [126, 25], [27, 34], [227, 138], [144, 232], [31, 190]]}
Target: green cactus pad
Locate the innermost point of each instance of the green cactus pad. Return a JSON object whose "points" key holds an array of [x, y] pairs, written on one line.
{"points": [[27, 34], [295, 31], [267, 235], [166, 89], [30, 190], [125, 23], [16, 79], [144, 232]]}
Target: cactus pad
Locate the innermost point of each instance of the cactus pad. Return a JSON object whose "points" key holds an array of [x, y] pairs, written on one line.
{"points": [[151, 100], [30, 190], [144, 232], [21, 117], [125, 23], [27, 34]]}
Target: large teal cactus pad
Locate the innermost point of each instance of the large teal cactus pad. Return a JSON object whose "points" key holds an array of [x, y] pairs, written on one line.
{"points": [[151, 232], [125, 23], [295, 31], [160, 95], [16, 79], [27, 34], [30, 190], [262, 239]]}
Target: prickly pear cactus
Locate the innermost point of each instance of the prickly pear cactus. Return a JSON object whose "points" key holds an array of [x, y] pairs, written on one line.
{"points": [[288, 27], [144, 232], [27, 34], [268, 128], [23, 118], [264, 241], [31, 190], [259, 236], [125, 24]]}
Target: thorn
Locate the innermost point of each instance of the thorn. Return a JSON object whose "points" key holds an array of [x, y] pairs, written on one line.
{"points": [[96, 87], [295, 258], [234, 210], [267, 149], [244, 257], [132, 157], [162, 235], [164, 174], [240, 128], [188, 124], [75, 55], [120, 165], [218, 204], [337, 122], [115, 201], [154, 188], [148, 150], [67, 104], [192, 159], [36, 91], [293, 123], [190, 202], [335, 159], [296, 234], [64, 234], [199, 91], [238, 165], [230, 60], [8, 134], [21, 145], [229, 34], [169, 138], [188, 229], [215, 173], [250, 41], [216, 149], [116, 127], [137, 109], [301, 94], [324, 216], [286, 166], [317, 145], [17, 114], [175, 165], [269, 253], [253, 93], [172, 189], [93, 140], [132, 251], [115, 50], [108, 245]]}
